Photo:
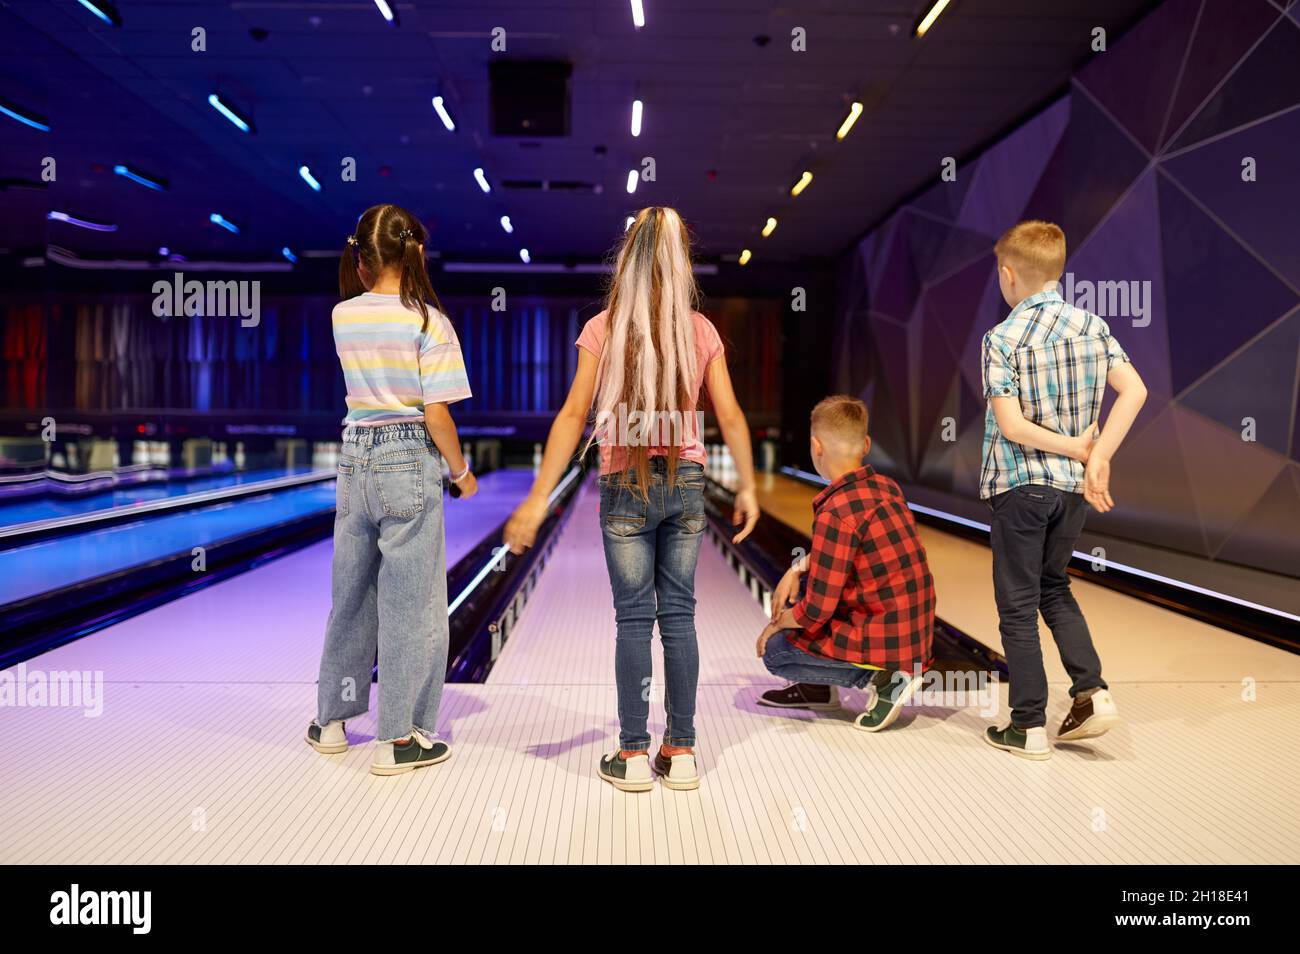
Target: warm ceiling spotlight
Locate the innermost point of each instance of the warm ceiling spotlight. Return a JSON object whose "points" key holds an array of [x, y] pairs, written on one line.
{"points": [[139, 178], [242, 123], [632, 178], [24, 117], [636, 117], [638, 14], [386, 11], [103, 10], [441, 109], [506, 224], [927, 21], [80, 223], [855, 110], [769, 227], [217, 219], [802, 184], [524, 256], [308, 178], [481, 180], [744, 257]]}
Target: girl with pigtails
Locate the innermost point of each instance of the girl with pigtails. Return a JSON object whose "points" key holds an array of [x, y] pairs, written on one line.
{"points": [[402, 366], [641, 364]]}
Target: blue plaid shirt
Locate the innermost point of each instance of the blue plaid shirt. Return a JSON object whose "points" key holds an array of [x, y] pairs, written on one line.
{"points": [[1054, 357]]}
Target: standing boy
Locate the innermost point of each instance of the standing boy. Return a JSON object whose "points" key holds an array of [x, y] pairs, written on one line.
{"points": [[1045, 370]]}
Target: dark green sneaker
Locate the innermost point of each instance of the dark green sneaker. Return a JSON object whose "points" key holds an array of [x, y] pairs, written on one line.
{"points": [[626, 775], [1026, 743], [887, 702], [396, 758], [328, 739]]}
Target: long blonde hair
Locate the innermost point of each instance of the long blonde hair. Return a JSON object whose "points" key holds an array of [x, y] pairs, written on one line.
{"points": [[648, 362]]}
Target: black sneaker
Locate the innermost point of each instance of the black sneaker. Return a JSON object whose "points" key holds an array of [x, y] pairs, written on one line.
{"points": [[678, 771], [395, 758], [1026, 743], [626, 775], [802, 695], [328, 739], [1088, 718], [887, 701]]}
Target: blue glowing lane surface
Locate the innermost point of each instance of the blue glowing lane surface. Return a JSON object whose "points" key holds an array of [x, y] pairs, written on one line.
{"points": [[50, 506], [52, 564]]}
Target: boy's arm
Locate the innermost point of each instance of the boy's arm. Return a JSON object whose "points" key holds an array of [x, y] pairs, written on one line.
{"points": [[1131, 394], [1018, 429], [829, 563]]}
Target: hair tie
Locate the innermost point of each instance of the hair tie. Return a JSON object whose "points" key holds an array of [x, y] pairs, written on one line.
{"points": [[404, 235], [352, 240]]}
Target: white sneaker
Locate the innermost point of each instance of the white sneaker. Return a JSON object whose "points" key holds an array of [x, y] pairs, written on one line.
{"points": [[328, 739], [678, 772], [626, 775], [393, 758], [1089, 718], [1026, 743]]}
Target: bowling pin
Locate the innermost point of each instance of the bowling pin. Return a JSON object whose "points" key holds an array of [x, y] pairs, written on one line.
{"points": [[139, 452], [537, 457], [240, 458]]}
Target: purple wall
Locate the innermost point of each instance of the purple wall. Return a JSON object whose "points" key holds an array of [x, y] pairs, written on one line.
{"points": [[1141, 163]]}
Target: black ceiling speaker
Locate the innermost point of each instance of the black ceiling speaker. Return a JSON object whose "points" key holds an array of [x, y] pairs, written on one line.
{"points": [[530, 97]]}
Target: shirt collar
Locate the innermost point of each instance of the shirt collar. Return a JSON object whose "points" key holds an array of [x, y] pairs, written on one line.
{"points": [[1033, 301], [865, 472]]}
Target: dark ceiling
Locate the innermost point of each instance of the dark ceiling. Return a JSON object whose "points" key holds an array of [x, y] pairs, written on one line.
{"points": [[729, 121]]}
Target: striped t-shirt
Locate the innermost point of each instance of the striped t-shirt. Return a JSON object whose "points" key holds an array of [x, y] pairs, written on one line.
{"points": [[391, 368]]}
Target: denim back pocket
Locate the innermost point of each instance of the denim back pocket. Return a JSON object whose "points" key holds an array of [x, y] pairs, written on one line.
{"points": [[690, 488], [343, 488], [622, 508], [400, 482]]}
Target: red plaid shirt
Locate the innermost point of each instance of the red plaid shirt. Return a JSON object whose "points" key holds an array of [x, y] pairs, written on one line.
{"points": [[869, 597]]}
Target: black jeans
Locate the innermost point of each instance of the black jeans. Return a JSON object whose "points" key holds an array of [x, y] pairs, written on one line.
{"points": [[1034, 531]]}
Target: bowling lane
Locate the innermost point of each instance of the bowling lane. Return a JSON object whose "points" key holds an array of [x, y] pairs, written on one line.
{"points": [[265, 625], [1137, 640], [56, 506]]}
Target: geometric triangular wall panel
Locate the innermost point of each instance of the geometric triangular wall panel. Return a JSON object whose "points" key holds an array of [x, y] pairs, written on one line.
{"points": [[1141, 163]]}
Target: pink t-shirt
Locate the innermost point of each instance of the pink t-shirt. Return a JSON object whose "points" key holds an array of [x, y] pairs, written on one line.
{"points": [[708, 347]]}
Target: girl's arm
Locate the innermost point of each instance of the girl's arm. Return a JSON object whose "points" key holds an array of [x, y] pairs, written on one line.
{"points": [[1016, 428], [735, 431], [442, 429], [561, 442]]}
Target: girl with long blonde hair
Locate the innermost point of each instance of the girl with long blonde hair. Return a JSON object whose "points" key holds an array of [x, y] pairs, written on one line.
{"points": [[641, 365]]}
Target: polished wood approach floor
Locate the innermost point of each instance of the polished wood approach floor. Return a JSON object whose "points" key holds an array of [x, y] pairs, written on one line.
{"points": [[198, 755]]}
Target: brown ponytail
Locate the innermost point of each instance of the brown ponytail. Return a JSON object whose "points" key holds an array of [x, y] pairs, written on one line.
{"points": [[389, 236]]}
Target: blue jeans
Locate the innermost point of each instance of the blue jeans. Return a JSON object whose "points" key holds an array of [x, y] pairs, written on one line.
{"points": [[389, 586], [795, 665], [652, 544]]}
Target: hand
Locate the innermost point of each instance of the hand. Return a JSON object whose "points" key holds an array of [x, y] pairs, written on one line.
{"points": [[768, 632], [468, 486], [783, 595], [521, 528], [746, 513], [1081, 446], [1096, 483]]}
